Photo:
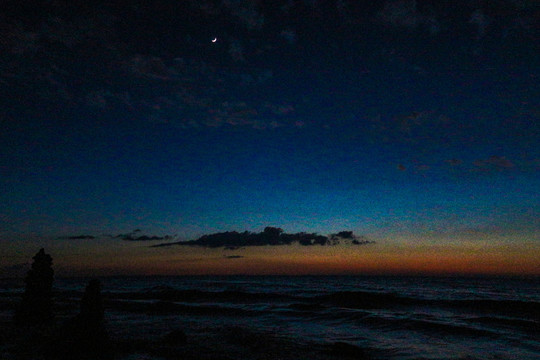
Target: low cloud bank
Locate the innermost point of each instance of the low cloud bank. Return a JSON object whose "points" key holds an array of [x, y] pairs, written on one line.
{"points": [[79, 237], [271, 236], [135, 236]]}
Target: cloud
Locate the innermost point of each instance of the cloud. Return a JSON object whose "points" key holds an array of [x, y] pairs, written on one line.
{"points": [[279, 109], [18, 41], [454, 162], [400, 13], [134, 236], [427, 131], [104, 99], [271, 236], [152, 67], [246, 11], [236, 51], [458, 167], [493, 163], [343, 10], [349, 235], [192, 105], [79, 237], [481, 21], [313, 4], [343, 235], [405, 14], [205, 6], [97, 99], [361, 242], [422, 167], [289, 35], [182, 87], [147, 238], [286, 8], [182, 80]]}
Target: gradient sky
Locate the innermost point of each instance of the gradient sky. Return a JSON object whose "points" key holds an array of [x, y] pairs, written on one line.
{"points": [[414, 124]]}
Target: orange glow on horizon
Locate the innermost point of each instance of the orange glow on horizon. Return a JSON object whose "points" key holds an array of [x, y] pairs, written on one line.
{"points": [[386, 260], [101, 258]]}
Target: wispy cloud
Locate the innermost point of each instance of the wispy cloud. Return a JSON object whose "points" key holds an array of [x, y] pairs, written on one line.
{"points": [[236, 50], [481, 21], [246, 11], [454, 162], [185, 86], [289, 35], [405, 14], [152, 67], [135, 235], [493, 163]]}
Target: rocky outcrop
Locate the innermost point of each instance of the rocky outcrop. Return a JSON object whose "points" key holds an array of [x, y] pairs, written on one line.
{"points": [[36, 305], [85, 337]]}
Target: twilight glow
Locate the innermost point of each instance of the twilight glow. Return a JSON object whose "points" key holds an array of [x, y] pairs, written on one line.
{"points": [[414, 126]]}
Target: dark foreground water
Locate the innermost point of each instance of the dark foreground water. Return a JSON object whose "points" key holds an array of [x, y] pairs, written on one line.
{"points": [[391, 317]]}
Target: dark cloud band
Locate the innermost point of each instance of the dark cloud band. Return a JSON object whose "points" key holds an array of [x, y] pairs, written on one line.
{"points": [[271, 236]]}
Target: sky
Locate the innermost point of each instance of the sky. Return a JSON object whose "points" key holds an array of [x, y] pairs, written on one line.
{"points": [[414, 124]]}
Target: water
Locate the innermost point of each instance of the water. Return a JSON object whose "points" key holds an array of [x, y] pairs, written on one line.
{"points": [[393, 317]]}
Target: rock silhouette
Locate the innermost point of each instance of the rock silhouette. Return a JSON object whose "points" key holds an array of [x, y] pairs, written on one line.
{"points": [[92, 311], [175, 337], [85, 337], [346, 350], [36, 304]]}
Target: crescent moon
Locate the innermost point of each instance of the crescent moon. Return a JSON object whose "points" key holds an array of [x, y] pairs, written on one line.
{"points": [[214, 39]]}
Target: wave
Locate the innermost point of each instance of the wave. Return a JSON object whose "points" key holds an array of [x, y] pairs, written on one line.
{"points": [[429, 326], [370, 300], [344, 299], [353, 299], [167, 307], [525, 309], [529, 326], [521, 314], [193, 295], [365, 300], [320, 312], [377, 300], [308, 307]]}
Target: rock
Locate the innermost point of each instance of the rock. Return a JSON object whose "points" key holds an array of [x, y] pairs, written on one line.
{"points": [[85, 336], [343, 349], [175, 337], [92, 311], [36, 304]]}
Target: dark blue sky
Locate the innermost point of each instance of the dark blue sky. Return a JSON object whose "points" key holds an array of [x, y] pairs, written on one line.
{"points": [[395, 119]]}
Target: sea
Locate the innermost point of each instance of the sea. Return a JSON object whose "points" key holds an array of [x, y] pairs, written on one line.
{"points": [[393, 317]]}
